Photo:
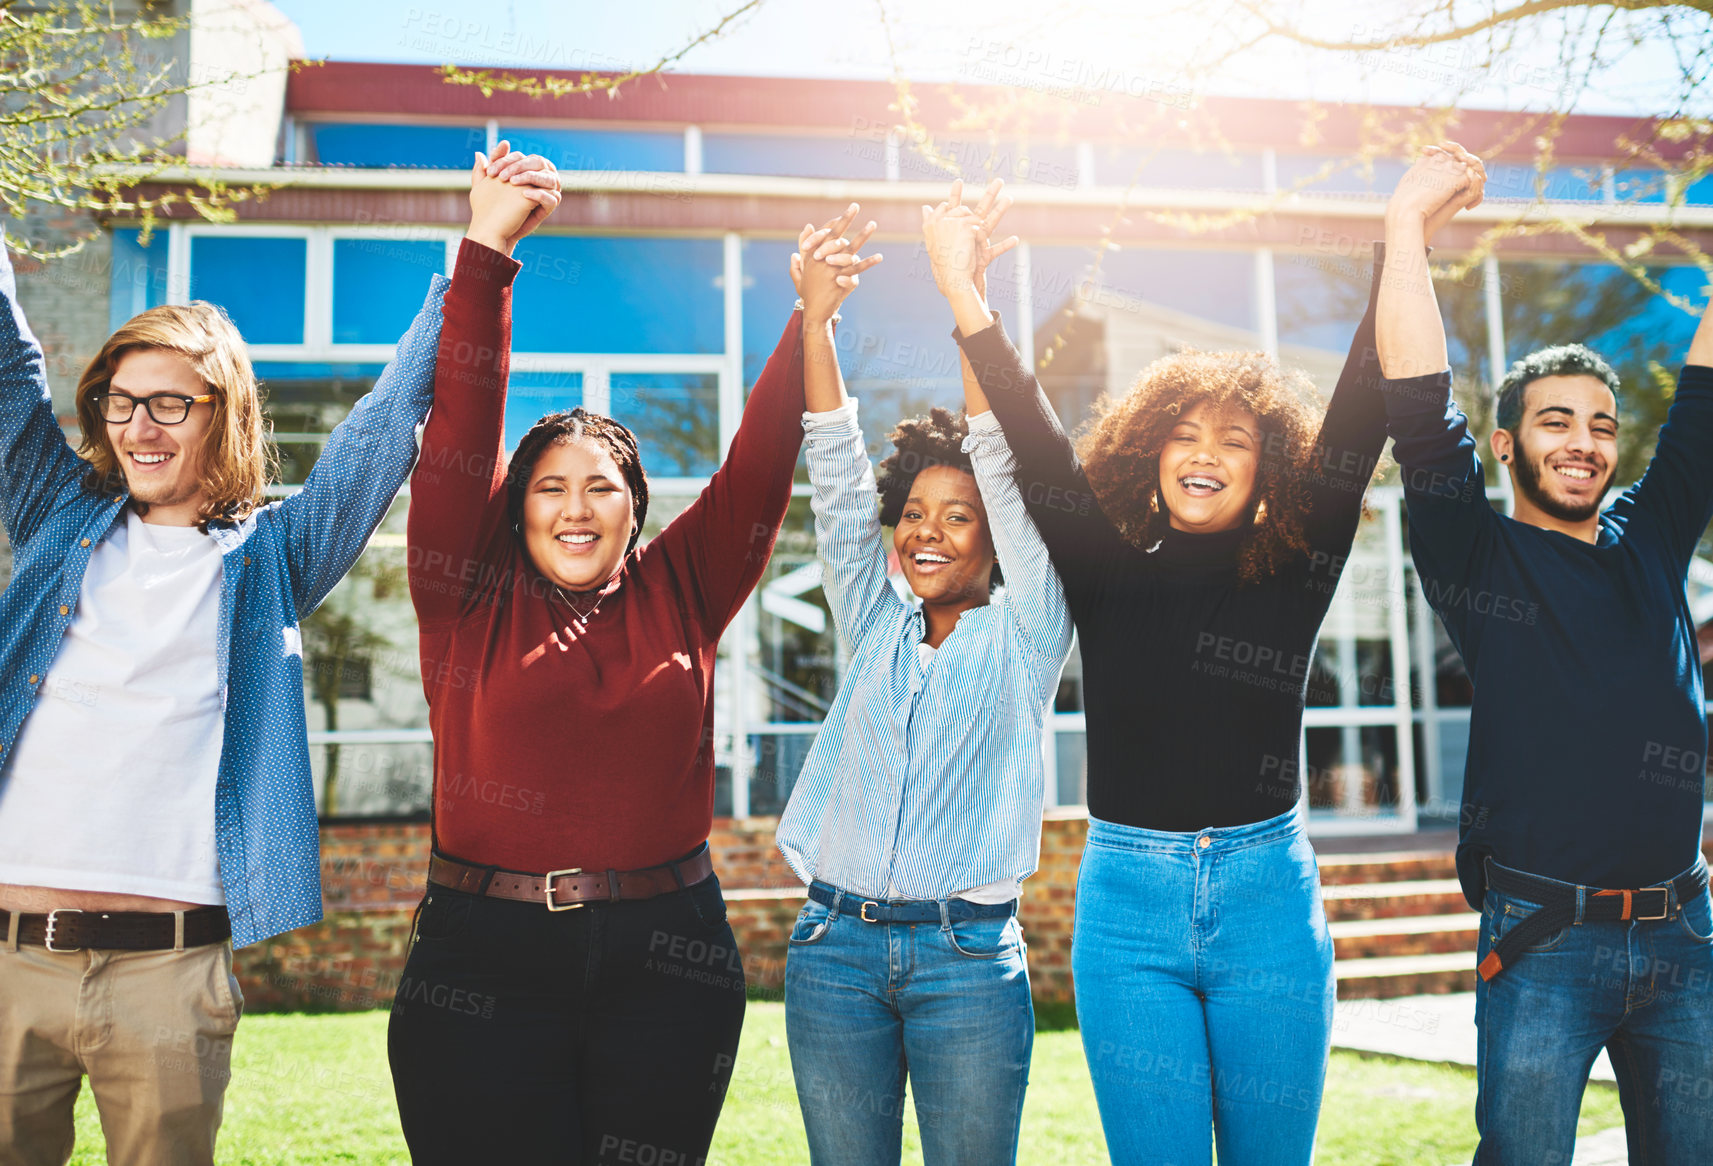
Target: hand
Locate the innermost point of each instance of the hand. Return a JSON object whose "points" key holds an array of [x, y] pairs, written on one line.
{"points": [[1444, 180], [510, 195], [827, 268], [959, 241]]}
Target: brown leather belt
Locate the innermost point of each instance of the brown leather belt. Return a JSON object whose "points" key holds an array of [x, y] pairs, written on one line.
{"points": [[70, 929], [561, 890]]}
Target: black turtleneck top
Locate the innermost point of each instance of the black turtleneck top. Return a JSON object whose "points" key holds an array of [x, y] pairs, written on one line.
{"points": [[1193, 680]]}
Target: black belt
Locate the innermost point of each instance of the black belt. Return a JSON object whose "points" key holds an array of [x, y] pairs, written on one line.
{"points": [[905, 910], [1559, 907], [70, 929]]}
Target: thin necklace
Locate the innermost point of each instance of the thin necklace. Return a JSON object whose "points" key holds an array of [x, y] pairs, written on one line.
{"points": [[583, 617]]}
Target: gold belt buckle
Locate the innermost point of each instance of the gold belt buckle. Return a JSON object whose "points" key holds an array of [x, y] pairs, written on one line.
{"points": [[867, 903], [53, 923], [547, 889]]}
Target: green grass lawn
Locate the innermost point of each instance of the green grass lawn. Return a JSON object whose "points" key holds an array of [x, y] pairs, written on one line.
{"points": [[315, 1089]]}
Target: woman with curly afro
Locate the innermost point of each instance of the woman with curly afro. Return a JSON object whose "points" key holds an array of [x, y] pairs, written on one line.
{"points": [[917, 815], [1199, 531]]}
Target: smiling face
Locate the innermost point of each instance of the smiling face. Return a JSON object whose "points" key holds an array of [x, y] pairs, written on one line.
{"points": [[577, 518], [162, 464], [1565, 448], [942, 539], [1208, 467]]}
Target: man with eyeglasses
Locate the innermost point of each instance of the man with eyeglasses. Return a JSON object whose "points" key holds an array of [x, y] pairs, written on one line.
{"points": [[156, 805]]}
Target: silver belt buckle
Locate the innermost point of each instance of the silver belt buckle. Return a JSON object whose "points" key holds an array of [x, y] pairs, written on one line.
{"points": [[53, 925], [547, 889]]}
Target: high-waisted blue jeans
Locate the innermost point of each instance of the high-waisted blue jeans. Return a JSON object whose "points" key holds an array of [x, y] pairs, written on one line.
{"points": [[1204, 990]]}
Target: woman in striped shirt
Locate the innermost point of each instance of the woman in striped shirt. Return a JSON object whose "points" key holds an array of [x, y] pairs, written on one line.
{"points": [[918, 812]]}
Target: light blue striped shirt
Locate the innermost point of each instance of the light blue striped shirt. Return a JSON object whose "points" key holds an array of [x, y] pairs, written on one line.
{"points": [[925, 781]]}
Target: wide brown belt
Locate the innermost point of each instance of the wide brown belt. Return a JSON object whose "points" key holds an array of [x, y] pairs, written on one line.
{"points": [[561, 890], [70, 929]]}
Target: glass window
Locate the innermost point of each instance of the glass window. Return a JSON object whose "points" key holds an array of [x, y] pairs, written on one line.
{"points": [[1580, 183], [1142, 304], [795, 660], [1331, 174], [1116, 165], [379, 285], [978, 161], [413, 146], [138, 275], [618, 294], [1639, 185], [768, 298], [582, 149], [1351, 772], [304, 401], [258, 281], [675, 416], [795, 155], [533, 395]]}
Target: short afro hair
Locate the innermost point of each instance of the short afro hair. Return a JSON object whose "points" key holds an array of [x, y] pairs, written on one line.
{"points": [[1561, 360], [921, 443]]}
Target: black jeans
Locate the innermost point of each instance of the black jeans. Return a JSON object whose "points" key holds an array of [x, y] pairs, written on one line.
{"points": [[600, 1035]]}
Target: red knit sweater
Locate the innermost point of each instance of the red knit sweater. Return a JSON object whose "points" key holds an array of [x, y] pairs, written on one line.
{"points": [[554, 748]]}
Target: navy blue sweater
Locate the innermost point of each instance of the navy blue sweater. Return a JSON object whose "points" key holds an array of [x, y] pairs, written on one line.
{"points": [[1587, 736]]}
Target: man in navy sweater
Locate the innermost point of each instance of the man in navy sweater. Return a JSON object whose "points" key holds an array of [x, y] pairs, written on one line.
{"points": [[1581, 830]]}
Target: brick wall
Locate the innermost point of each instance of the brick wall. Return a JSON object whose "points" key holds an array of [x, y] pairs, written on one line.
{"points": [[372, 877], [66, 299]]}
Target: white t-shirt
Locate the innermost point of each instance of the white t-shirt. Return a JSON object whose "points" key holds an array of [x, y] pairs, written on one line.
{"points": [[111, 785]]}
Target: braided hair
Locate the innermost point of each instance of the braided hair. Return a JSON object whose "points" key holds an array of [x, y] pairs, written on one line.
{"points": [[921, 443], [576, 425]]}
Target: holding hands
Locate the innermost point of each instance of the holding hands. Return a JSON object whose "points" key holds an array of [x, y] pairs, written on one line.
{"points": [[827, 268], [1444, 180], [510, 195], [960, 242]]}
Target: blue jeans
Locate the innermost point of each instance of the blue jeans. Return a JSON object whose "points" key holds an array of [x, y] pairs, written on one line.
{"points": [[1641, 990], [945, 1003], [1204, 990]]}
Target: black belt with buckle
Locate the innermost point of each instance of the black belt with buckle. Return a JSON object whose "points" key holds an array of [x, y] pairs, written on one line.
{"points": [[904, 910], [68, 929], [1559, 907]]}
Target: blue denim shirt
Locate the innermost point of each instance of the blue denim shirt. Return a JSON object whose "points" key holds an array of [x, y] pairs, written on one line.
{"points": [[277, 566]]}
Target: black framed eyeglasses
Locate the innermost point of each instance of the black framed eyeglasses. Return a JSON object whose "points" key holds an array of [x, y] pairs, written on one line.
{"points": [[165, 408]]}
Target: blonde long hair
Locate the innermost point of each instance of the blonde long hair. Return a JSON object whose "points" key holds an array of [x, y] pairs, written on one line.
{"points": [[237, 460]]}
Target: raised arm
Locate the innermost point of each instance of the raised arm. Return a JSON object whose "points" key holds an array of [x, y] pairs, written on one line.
{"points": [[457, 525], [960, 244], [725, 537], [1677, 489], [1441, 473], [37, 467], [1034, 596]]}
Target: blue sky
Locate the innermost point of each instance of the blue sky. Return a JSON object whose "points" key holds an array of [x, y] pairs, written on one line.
{"points": [[937, 40]]}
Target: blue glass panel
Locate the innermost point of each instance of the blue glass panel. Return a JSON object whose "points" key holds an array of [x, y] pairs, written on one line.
{"points": [[799, 155], [304, 401], [1558, 184], [258, 280], [1180, 169], [138, 276], [379, 285], [617, 294], [1700, 192], [1217, 287], [600, 149], [379, 146], [979, 161], [533, 395], [1639, 185], [676, 419], [767, 300], [1345, 176]]}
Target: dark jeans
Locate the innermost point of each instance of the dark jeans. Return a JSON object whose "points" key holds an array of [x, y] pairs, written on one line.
{"points": [[600, 1035], [1642, 990]]}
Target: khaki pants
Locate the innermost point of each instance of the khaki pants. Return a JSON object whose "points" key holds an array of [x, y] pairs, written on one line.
{"points": [[151, 1029]]}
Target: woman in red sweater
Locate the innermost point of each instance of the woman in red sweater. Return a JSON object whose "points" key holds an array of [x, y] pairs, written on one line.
{"points": [[573, 991]]}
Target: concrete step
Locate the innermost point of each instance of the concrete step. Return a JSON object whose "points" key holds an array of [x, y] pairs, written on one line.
{"points": [[1391, 866], [1385, 977], [1404, 935], [1388, 900]]}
